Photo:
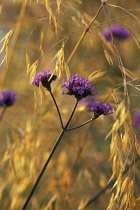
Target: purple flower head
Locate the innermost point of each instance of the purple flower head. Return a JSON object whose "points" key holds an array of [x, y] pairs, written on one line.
{"points": [[78, 86], [136, 120], [8, 98], [45, 78], [119, 32], [100, 108]]}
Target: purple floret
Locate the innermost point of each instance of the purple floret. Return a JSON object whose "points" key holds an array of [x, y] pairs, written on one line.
{"points": [[118, 31], [78, 86], [45, 78], [136, 120], [8, 98], [101, 108]]}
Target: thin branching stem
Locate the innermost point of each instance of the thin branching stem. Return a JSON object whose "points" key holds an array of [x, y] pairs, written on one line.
{"points": [[43, 169], [59, 114], [2, 113], [71, 115], [83, 36], [91, 200], [48, 159], [79, 126]]}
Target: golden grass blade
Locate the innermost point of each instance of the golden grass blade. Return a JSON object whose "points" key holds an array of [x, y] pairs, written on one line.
{"points": [[1, 4], [128, 12], [52, 203], [96, 74], [127, 71], [28, 62], [5, 58], [32, 70], [58, 2], [137, 204], [8, 35], [51, 15], [111, 203], [41, 43], [108, 57], [107, 44], [61, 68]]}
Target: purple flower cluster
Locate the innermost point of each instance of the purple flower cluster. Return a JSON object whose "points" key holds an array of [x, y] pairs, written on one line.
{"points": [[136, 120], [119, 32], [45, 78], [8, 98], [78, 86], [100, 108]]}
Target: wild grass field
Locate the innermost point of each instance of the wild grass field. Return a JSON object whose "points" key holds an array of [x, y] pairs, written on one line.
{"points": [[69, 105]]}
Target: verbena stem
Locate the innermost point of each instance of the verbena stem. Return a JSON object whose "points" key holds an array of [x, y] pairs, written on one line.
{"points": [[59, 114], [79, 126], [48, 159], [3, 112], [91, 200]]}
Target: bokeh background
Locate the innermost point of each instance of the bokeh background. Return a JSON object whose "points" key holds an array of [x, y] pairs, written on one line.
{"points": [[40, 35]]}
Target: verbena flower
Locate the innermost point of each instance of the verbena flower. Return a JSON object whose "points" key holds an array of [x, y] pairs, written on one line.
{"points": [[136, 120], [45, 77], [100, 108], [7, 98], [78, 86], [119, 32]]}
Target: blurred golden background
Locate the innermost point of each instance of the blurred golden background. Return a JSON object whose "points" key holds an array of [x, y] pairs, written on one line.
{"points": [[38, 35]]}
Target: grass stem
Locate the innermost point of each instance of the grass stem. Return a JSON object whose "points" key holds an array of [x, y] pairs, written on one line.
{"points": [[82, 36]]}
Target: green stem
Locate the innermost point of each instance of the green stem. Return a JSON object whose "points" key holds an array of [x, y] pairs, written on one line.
{"points": [[79, 126], [71, 115], [57, 109], [2, 113], [48, 160], [43, 169]]}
